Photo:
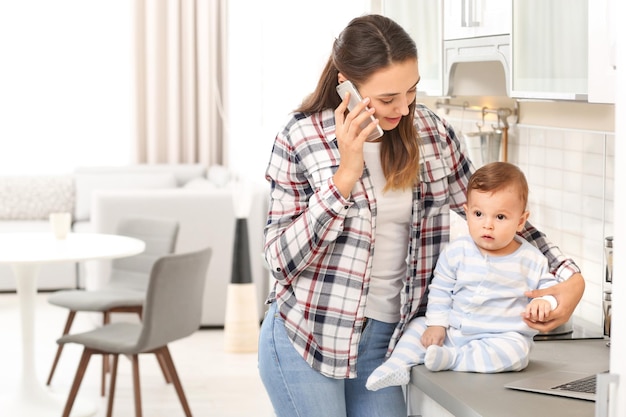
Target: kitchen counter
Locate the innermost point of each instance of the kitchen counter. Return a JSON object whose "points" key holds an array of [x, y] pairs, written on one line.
{"points": [[465, 394]]}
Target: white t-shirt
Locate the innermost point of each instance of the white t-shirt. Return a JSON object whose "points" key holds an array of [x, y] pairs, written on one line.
{"points": [[389, 267]]}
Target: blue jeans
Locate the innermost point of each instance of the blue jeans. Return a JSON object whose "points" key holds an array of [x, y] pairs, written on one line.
{"points": [[297, 390]]}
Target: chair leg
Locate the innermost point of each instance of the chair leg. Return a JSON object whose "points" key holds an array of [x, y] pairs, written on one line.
{"points": [[80, 373], [136, 385], [112, 385], [163, 365], [106, 319], [164, 352], [66, 330]]}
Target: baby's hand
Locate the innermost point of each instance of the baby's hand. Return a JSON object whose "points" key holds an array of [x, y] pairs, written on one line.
{"points": [[434, 335], [538, 309]]}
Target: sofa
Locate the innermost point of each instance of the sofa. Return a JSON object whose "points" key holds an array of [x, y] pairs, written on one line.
{"points": [[206, 202], [25, 203]]}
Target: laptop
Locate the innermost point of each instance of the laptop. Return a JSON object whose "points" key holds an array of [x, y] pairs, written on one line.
{"points": [[562, 383]]}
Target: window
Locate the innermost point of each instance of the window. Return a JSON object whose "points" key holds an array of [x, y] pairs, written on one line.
{"points": [[66, 96]]}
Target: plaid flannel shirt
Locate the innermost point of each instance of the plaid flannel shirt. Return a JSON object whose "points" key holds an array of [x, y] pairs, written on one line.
{"points": [[319, 245]]}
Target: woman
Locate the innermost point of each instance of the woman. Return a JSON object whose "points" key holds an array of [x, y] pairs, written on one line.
{"points": [[355, 228]]}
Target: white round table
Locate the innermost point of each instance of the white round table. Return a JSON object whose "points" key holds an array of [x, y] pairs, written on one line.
{"points": [[26, 252]]}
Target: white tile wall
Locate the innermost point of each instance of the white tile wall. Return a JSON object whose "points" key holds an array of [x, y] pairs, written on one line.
{"points": [[570, 175]]}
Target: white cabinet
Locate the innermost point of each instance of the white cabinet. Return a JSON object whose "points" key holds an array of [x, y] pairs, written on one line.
{"points": [[602, 23], [549, 49], [422, 20], [544, 49], [474, 18], [476, 47]]}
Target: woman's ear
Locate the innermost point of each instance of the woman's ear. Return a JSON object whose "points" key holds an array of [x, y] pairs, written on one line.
{"points": [[341, 78]]}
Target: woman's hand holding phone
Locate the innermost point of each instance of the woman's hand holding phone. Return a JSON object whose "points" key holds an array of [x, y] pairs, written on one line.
{"points": [[350, 138], [353, 100]]}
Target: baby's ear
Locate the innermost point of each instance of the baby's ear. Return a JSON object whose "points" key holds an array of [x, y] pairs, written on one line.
{"points": [[522, 220]]}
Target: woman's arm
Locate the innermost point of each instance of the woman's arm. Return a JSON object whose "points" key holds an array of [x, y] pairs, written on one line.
{"points": [[306, 214], [302, 221]]}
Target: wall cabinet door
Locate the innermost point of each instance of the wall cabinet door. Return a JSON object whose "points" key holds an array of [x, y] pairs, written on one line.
{"points": [[549, 56], [474, 18], [549, 47], [422, 20], [602, 41]]}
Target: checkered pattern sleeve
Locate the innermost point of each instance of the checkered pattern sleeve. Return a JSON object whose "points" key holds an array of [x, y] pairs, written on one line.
{"points": [[318, 245]]}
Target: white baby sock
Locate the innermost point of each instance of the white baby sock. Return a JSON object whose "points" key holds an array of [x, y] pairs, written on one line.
{"points": [[439, 358], [393, 372]]}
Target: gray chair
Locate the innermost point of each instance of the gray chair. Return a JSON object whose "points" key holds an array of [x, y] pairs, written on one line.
{"points": [[172, 311], [126, 290]]}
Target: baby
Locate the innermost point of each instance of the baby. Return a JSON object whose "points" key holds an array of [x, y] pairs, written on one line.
{"points": [[476, 298]]}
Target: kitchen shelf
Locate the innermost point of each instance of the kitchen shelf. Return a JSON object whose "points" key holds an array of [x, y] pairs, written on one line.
{"points": [[503, 113]]}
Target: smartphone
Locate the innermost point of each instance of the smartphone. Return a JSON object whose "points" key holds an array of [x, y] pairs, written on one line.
{"points": [[355, 98]]}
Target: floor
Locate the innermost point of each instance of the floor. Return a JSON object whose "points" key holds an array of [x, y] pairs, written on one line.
{"points": [[216, 383]]}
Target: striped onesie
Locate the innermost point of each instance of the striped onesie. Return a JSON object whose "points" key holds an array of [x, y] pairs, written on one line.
{"points": [[479, 299]]}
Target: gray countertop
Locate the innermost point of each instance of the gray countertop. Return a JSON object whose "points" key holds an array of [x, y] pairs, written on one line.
{"points": [[484, 395]]}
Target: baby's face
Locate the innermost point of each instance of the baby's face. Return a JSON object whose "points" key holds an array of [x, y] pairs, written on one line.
{"points": [[493, 218]]}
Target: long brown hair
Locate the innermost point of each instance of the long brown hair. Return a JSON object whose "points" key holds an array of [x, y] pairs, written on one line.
{"points": [[368, 44]]}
